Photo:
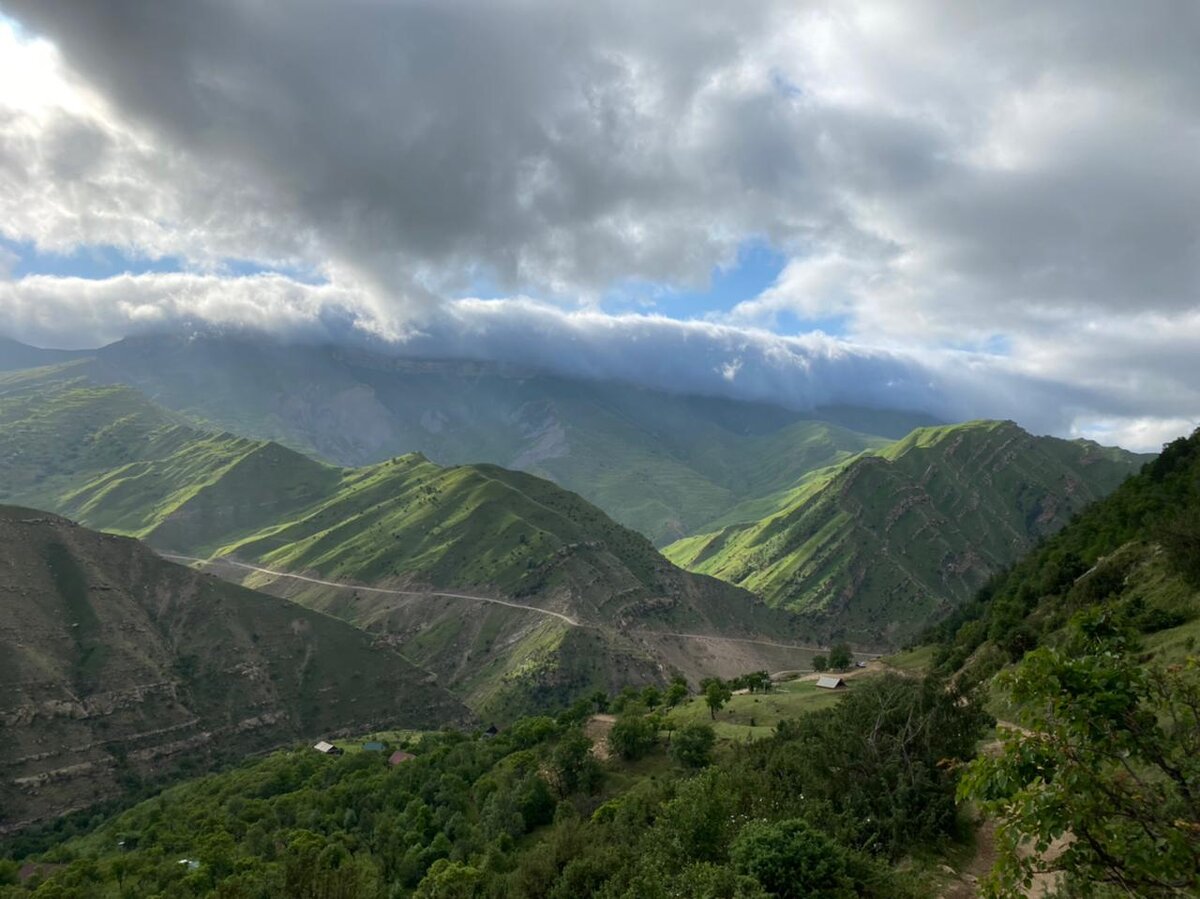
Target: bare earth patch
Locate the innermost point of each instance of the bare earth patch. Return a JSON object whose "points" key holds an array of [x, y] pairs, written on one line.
{"points": [[596, 730]]}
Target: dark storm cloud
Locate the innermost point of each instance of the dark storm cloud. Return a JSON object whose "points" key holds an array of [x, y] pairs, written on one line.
{"points": [[939, 176], [424, 141], [1029, 153]]}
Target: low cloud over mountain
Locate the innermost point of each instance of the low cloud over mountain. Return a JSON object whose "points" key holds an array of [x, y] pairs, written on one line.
{"points": [[1009, 211]]}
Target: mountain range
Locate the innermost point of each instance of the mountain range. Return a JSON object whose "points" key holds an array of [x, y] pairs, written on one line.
{"points": [[555, 597], [863, 536], [663, 464], [1135, 553], [408, 591]]}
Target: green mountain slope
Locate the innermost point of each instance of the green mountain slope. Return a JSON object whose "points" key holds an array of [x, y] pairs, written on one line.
{"points": [[116, 665], [105, 456], [880, 545], [1136, 552], [598, 596], [662, 464]]}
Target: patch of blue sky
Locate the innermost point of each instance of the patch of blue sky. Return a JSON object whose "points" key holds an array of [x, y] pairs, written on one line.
{"points": [[995, 345], [97, 262], [91, 262], [756, 268], [244, 268], [483, 287], [788, 322]]}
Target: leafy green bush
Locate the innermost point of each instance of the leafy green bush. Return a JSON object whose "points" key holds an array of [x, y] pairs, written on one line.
{"points": [[692, 745], [633, 735], [1110, 763], [792, 860]]}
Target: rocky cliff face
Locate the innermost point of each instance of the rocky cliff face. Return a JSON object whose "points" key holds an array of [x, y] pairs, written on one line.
{"points": [[116, 665]]}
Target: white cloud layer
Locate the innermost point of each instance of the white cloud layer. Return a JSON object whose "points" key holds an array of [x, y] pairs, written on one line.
{"points": [[1060, 393], [1019, 178]]}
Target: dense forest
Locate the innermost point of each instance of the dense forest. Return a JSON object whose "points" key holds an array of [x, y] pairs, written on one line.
{"points": [[825, 807]]}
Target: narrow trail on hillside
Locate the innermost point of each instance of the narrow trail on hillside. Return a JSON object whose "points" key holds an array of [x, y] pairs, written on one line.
{"points": [[713, 637], [384, 590], [388, 591]]}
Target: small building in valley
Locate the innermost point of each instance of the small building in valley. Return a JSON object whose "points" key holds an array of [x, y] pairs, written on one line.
{"points": [[399, 757], [326, 748], [830, 682], [372, 746]]}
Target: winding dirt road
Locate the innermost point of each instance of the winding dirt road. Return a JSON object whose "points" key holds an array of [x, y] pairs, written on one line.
{"points": [[384, 590], [388, 591]]}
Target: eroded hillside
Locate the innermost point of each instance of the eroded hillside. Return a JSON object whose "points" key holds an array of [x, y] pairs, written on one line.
{"points": [[117, 665]]}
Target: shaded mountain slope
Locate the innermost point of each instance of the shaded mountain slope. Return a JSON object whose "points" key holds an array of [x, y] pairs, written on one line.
{"points": [[117, 665], [404, 523], [892, 540], [660, 463], [16, 355]]}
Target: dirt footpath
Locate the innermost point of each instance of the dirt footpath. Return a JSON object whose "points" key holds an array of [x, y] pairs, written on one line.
{"points": [[967, 884], [596, 730]]}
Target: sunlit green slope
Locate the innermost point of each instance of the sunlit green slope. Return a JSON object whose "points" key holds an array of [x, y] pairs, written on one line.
{"points": [[889, 541], [663, 464]]}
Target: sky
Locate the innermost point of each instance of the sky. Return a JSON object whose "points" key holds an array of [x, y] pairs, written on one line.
{"points": [[977, 209]]}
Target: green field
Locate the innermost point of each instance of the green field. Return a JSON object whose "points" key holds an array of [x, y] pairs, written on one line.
{"points": [[751, 716], [912, 661]]}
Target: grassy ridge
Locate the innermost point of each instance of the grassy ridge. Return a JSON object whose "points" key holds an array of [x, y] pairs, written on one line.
{"points": [[663, 464], [1134, 552], [469, 525], [109, 458], [892, 539]]}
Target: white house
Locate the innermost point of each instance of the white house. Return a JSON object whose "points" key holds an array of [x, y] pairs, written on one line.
{"points": [[829, 682]]}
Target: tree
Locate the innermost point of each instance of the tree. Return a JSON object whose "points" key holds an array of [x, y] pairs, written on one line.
{"points": [[1110, 759], [650, 696], [792, 860], [882, 762], [676, 693], [840, 657], [716, 694], [600, 699], [1180, 537], [820, 663], [627, 696], [693, 744], [633, 735], [448, 880], [576, 713], [757, 680], [574, 766]]}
